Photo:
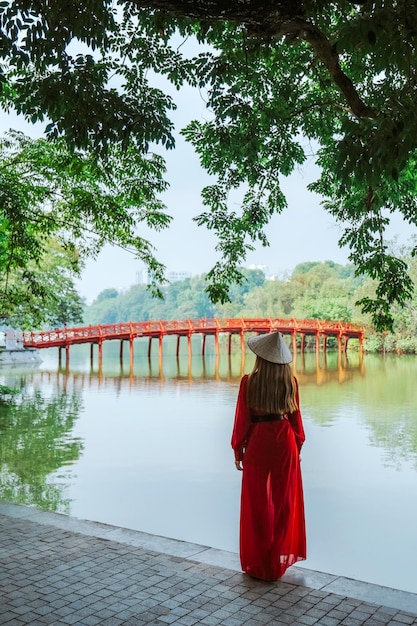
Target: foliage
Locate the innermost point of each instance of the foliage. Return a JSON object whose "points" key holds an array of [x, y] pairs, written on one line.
{"points": [[7, 394], [36, 440], [59, 206], [107, 294], [341, 75], [182, 300], [312, 291], [41, 292]]}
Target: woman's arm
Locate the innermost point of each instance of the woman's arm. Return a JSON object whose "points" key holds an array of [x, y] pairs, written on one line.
{"points": [[296, 421], [242, 424]]}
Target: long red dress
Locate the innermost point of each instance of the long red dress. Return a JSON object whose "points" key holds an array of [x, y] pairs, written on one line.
{"points": [[272, 524]]}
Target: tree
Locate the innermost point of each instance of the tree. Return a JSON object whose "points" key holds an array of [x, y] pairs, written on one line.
{"points": [[107, 294], [340, 74], [44, 292], [58, 206], [37, 439]]}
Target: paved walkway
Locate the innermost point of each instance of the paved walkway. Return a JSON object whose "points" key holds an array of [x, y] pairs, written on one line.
{"points": [[59, 570]]}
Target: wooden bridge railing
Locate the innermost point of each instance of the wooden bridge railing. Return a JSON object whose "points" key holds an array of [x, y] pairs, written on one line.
{"points": [[129, 331]]}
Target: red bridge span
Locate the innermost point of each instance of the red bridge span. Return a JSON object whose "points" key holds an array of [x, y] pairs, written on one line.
{"points": [[127, 332]]}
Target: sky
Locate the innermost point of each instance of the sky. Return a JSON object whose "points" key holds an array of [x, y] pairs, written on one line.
{"points": [[304, 231]]}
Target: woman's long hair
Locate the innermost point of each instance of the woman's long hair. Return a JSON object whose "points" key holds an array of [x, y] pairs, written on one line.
{"points": [[272, 387]]}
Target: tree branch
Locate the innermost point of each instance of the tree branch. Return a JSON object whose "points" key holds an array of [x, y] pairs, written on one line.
{"points": [[256, 13], [269, 19], [327, 54]]}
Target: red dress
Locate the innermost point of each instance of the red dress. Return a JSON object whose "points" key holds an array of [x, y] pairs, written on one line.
{"points": [[272, 524]]}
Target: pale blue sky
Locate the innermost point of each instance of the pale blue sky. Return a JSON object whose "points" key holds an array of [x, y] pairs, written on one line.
{"points": [[303, 232]]}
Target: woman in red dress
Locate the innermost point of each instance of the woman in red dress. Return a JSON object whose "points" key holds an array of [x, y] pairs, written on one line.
{"points": [[267, 437]]}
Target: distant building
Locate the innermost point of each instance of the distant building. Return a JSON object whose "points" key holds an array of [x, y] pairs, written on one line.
{"points": [[174, 277], [143, 277], [263, 268], [12, 349], [11, 339]]}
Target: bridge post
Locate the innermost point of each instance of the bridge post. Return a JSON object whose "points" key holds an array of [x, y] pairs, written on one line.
{"points": [[324, 343], [242, 342], [339, 343], [317, 342], [294, 341], [59, 357], [303, 342], [91, 354], [100, 352], [177, 352], [229, 347], [203, 345], [131, 350], [189, 344], [121, 351], [149, 347], [216, 342], [160, 346]]}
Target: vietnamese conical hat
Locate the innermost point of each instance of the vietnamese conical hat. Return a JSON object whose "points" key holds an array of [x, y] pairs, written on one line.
{"points": [[270, 347]]}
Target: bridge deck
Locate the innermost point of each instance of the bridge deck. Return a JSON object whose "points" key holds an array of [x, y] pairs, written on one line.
{"points": [[158, 329]]}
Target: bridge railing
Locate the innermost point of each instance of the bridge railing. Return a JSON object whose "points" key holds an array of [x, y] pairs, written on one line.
{"points": [[159, 328]]}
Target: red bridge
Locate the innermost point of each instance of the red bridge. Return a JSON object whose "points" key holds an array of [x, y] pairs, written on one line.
{"points": [[129, 331]]}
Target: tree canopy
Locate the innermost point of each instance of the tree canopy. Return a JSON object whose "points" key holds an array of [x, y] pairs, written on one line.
{"points": [[283, 81], [58, 206]]}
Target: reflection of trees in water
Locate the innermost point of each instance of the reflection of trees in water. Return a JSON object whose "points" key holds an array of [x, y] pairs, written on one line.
{"points": [[389, 394], [378, 393], [35, 441], [383, 398], [397, 435]]}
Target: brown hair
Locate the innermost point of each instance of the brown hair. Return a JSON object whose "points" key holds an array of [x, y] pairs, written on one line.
{"points": [[272, 387]]}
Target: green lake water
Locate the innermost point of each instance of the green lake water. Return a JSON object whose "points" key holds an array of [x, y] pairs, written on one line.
{"points": [[147, 447]]}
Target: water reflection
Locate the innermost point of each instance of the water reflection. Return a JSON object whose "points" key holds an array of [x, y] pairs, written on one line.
{"points": [[390, 396], [383, 393], [146, 445], [36, 441], [309, 368], [323, 368]]}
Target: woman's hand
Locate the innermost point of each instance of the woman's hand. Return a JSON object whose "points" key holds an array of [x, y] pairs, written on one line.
{"points": [[239, 465]]}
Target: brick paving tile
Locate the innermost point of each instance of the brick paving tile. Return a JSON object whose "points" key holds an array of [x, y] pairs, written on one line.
{"points": [[328, 621], [307, 620], [210, 621], [383, 615], [380, 618], [51, 576], [361, 613], [405, 619], [351, 621], [234, 621]]}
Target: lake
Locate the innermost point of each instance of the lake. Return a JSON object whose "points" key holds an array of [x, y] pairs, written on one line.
{"points": [[147, 447]]}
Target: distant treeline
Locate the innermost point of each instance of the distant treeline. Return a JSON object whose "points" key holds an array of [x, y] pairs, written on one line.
{"points": [[313, 290]]}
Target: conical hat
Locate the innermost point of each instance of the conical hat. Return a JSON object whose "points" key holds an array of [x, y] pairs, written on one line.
{"points": [[270, 347]]}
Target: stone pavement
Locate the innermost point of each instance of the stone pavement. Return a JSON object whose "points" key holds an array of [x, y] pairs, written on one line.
{"points": [[59, 570]]}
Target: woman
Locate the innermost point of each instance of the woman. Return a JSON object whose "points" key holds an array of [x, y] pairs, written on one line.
{"points": [[267, 438]]}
